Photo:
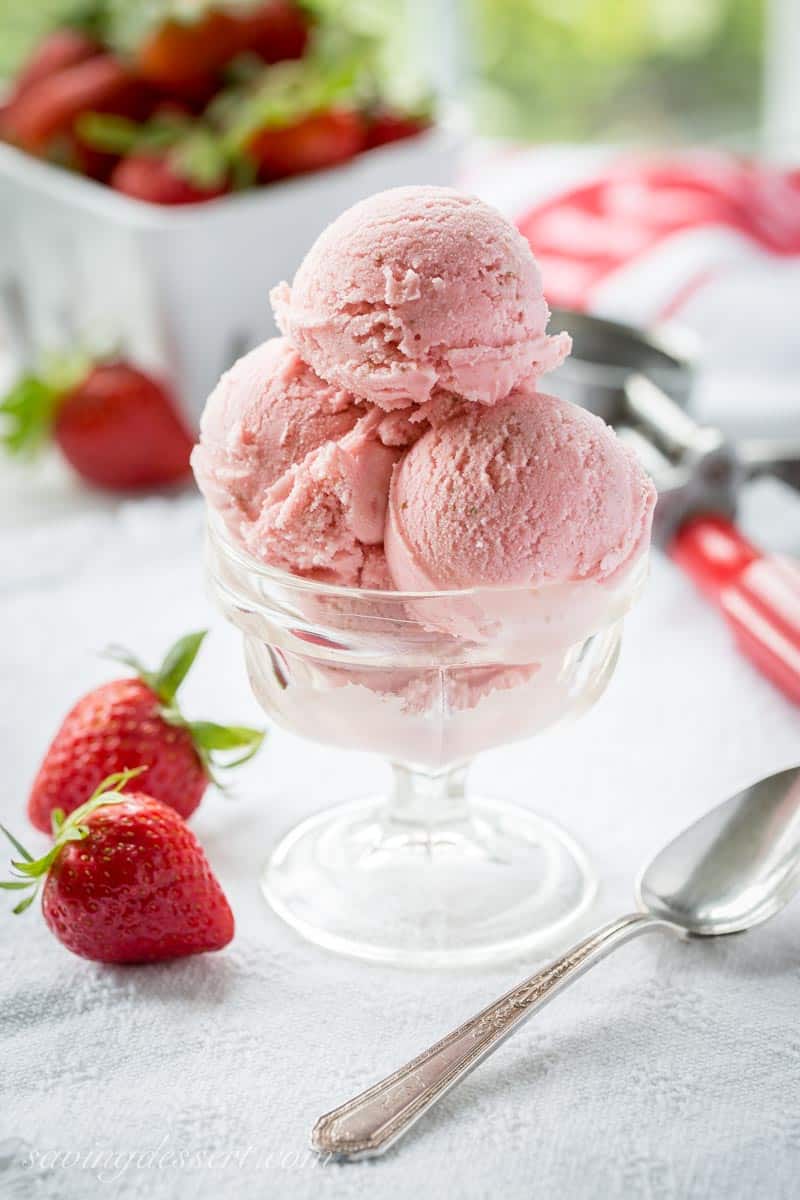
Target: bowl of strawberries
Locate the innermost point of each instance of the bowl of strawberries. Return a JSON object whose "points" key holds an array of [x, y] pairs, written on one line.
{"points": [[160, 164]]}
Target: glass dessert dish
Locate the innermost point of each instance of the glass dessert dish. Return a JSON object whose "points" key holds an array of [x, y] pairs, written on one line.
{"points": [[427, 874]]}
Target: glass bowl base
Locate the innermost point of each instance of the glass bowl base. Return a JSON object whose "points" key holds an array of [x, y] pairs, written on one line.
{"points": [[488, 882]]}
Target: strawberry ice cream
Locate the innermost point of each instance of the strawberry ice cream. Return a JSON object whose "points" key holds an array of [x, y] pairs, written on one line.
{"points": [[321, 515], [296, 468], [416, 291], [395, 439], [268, 412], [533, 492], [439, 561]]}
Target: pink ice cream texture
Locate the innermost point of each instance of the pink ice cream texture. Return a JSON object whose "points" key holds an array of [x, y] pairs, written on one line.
{"points": [[533, 491], [268, 412], [323, 514], [416, 291], [296, 468]]}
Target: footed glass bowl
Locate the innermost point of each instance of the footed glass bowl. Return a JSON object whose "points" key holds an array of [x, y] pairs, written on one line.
{"points": [[428, 874]]}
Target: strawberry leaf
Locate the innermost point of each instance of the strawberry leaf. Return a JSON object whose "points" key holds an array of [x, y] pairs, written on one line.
{"points": [[108, 132], [111, 784], [211, 738], [244, 172], [201, 158], [119, 135], [287, 93], [29, 409], [39, 866], [177, 664], [25, 903], [20, 849], [222, 737], [89, 16], [121, 655]]}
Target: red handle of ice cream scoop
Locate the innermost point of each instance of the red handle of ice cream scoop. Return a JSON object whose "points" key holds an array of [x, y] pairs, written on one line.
{"points": [[758, 594]]}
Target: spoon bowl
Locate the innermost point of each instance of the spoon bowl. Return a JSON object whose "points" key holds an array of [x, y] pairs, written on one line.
{"points": [[735, 867]]}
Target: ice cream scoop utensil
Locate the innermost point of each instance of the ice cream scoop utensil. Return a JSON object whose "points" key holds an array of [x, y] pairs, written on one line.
{"points": [[642, 385], [734, 868], [758, 594]]}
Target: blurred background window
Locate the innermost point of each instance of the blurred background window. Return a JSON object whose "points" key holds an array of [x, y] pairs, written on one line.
{"points": [[614, 69], [617, 69]]}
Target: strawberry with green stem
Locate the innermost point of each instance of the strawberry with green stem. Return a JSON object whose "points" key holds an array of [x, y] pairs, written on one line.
{"points": [[116, 425], [137, 720], [49, 108], [184, 55], [296, 117], [170, 159], [126, 881]]}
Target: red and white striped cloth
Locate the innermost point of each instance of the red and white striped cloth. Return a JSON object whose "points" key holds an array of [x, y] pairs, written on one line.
{"points": [[700, 237]]}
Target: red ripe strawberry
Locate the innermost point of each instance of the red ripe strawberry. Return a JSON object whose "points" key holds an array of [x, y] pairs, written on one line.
{"points": [[157, 180], [58, 50], [185, 57], [386, 127], [275, 31], [83, 158], [125, 881], [50, 107], [118, 427], [183, 54], [170, 159], [136, 720], [320, 140]]}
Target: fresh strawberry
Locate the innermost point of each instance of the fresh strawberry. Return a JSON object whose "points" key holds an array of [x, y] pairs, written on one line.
{"points": [[158, 181], [86, 160], [182, 55], [386, 126], [322, 139], [275, 31], [170, 159], [137, 720], [50, 107], [125, 881], [58, 50], [186, 56], [118, 427]]}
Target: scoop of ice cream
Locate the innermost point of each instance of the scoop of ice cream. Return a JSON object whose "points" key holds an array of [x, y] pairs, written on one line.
{"points": [[268, 412], [534, 491], [416, 290], [375, 572], [324, 513]]}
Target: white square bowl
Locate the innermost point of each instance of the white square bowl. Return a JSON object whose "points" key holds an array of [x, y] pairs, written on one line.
{"points": [[179, 291]]}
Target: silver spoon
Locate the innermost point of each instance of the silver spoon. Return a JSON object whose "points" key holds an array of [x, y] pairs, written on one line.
{"points": [[734, 868]]}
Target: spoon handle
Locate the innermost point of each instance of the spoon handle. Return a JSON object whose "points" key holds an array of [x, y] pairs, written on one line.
{"points": [[369, 1123]]}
